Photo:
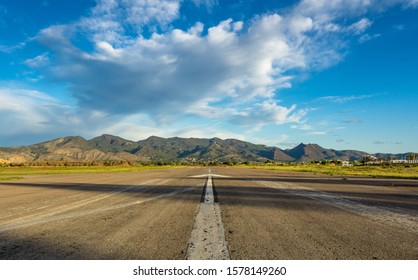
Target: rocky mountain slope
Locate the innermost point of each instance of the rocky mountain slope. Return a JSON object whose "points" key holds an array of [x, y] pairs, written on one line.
{"points": [[113, 148]]}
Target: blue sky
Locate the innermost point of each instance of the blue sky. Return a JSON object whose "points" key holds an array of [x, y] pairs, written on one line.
{"points": [[339, 73]]}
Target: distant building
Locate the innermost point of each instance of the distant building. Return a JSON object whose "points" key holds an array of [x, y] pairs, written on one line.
{"points": [[346, 163], [398, 161]]}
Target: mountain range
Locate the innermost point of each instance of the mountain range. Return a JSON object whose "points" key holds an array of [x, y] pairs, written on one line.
{"points": [[113, 148]]}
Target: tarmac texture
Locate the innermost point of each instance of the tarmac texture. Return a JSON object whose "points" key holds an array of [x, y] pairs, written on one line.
{"points": [[162, 214]]}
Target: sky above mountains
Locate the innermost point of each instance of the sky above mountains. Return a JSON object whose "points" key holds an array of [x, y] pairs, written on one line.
{"points": [[339, 73]]}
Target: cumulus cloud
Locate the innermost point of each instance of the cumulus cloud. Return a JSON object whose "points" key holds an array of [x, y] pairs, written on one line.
{"points": [[171, 72], [140, 63], [114, 21]]}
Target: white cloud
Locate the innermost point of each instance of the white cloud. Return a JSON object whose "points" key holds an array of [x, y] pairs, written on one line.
{"points": [[378, 142], [302, 126], [10, 49], [331, 9], [360, 26], [28, 111], [299, 24], [140, 13], [256, 115], [344, 99], [232, 70], [176, 70], [316, 133], [268, 112], [209, 4], [138, 127], [117, 22], [411, 3], [368, 37], [41, 60]]}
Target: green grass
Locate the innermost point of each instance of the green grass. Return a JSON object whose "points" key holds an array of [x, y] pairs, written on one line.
{"points": [[391, 171], [10, 178], [40, 170]]}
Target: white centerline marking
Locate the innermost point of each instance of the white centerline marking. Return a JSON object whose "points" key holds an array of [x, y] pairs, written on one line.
{"points": [[209, 197], [207, 240]]}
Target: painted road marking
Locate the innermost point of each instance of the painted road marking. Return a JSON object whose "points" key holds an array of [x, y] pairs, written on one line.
{"points": [[207, 240], [209, 197], [207, 175]]}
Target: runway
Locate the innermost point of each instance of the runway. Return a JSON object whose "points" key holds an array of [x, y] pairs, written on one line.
{"points": [[254, 214]]}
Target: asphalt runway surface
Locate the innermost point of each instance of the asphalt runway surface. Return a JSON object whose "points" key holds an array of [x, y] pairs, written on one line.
{"points": [[208, 213]]}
